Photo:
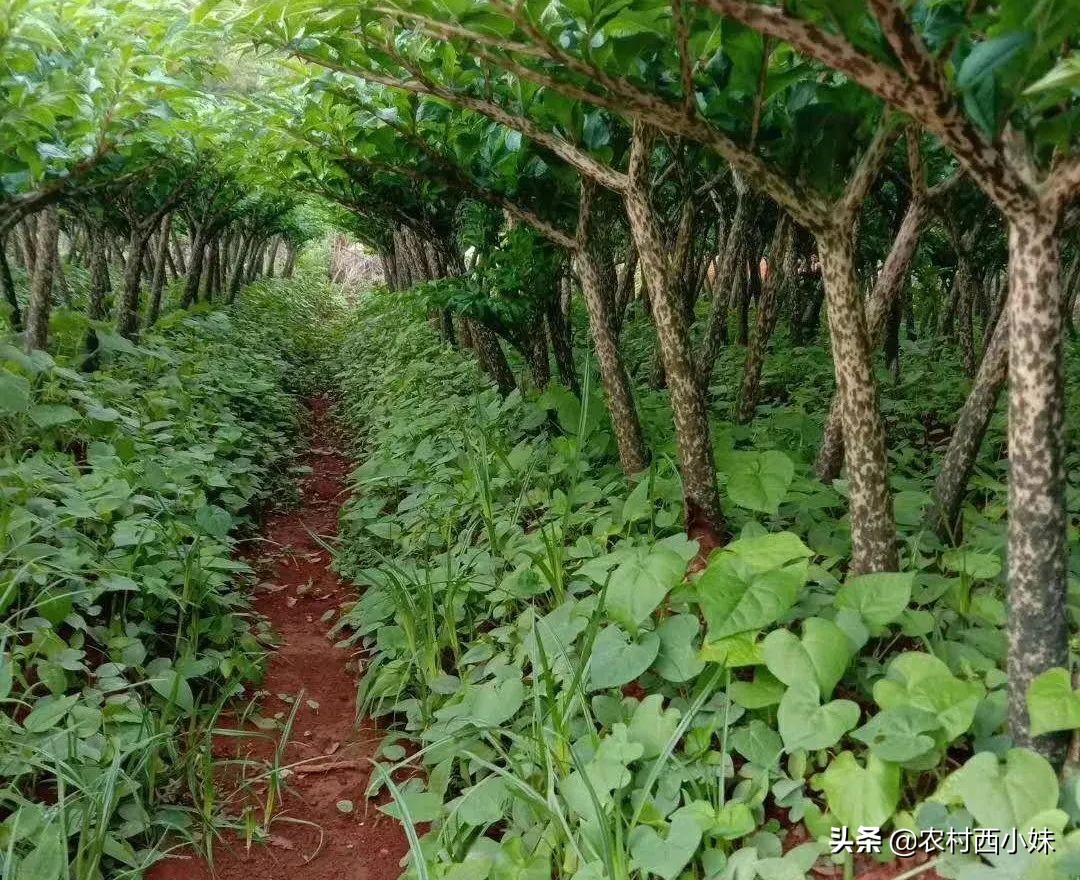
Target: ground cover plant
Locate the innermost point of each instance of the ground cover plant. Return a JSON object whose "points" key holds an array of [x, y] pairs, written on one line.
{"points": [[716, 493]]}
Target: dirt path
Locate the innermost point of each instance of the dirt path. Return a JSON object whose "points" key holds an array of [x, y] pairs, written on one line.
{"points": [[311, 838]]}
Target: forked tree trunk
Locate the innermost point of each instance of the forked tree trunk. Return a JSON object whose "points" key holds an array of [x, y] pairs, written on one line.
{"points": [[701, 498], [290, 261], [271, 259], [1037, 622], [127, 310], [873, 530], [157, 284], [963, 450], [888, 288], [237, 277], [40, 305]]}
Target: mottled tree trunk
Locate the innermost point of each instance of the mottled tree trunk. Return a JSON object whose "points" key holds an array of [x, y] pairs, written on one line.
{"points": [[689, 412], [492, 358], [873, 530], [100, 283], [40, 305], [157, 284], [289, 268], [781, 267], [562, 345], [271, 257], [195, 268], [963, 450], [734, 245], [237, 277], [8, 284], [888, 288], [127, 310], [1037, 624]]}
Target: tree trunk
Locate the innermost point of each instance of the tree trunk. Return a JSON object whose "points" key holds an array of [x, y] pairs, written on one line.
{"points": [[618, 391], [873, 530], [213, 256], [100, 283], [716, 328], [781, 267], [290, 261], [127, 310], [963, 450], [237, 278], [195, 269], [562, 345], [1037, 622], [271, 258], [492, 358], [8, 283], [689, 412], [887, 290], [40, 304], [157, 284]]}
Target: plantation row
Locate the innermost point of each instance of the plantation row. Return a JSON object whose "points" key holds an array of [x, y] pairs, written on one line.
{"points": [[126, 626], [583, 705]]}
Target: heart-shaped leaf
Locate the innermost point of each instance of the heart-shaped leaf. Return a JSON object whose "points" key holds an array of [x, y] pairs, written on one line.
{"points": [[666, 856], [858, 795], [618, 659], [640, 583], [1052, 703], [736, 599], [880, 597], [820, 656], [806, 724]]}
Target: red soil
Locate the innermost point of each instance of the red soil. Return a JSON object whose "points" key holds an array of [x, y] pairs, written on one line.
{"points": [[298, 588]]}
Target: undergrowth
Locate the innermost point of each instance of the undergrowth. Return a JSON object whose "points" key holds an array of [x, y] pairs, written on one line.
{"points": [[124, 623], [584, 704]]}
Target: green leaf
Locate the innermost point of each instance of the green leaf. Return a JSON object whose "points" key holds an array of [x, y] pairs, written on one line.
{"points": [[975, 564], [820, 656], [924, 682], [761, 481], [170, 685], [1004, 795], [806, 724], [640, 584], [989, 56], [769, 551], [618, 659], [49, 713], [899, 734], [485, 803], [880, 598], [733, 820], [48, 415], [214, 520], [859, 796], [652, 726], [1052, 703], [678, 660], [47, 859], [14, 392], [758, 743], [765, 690], [735, 598], [666, 856]]}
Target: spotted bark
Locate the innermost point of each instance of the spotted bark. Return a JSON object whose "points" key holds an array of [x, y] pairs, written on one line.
{"points": [[562, 345], [618, 391], [40, 305], [959, 461], [887, 290], [236, 280], [782, 266], [873, 531], [492, 358], [702, 500], [157, 284], [8, 284], [100, 284], [194, 268], [1037, 625]]}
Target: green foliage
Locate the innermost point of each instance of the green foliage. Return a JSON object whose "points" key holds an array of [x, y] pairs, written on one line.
{"points": [[124, 623]]}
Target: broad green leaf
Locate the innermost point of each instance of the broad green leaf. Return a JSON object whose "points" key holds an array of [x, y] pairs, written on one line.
{"points": [[761, 481], [1003, 795], [924, 682], [735, 598], [652, 726], [806, 724], [617, 658], [1052, 703], [666, 856], [14, 392], [485, 803], [859, 795], [640, 584], [880, 597], [214, 520], [899, 734], [989, 56], [170, 685], [765, 690], [678, 660], [48, 415], [764, 552], [820, 656], [47, 859], [758, 743], [49, 713], [974, 563]]}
